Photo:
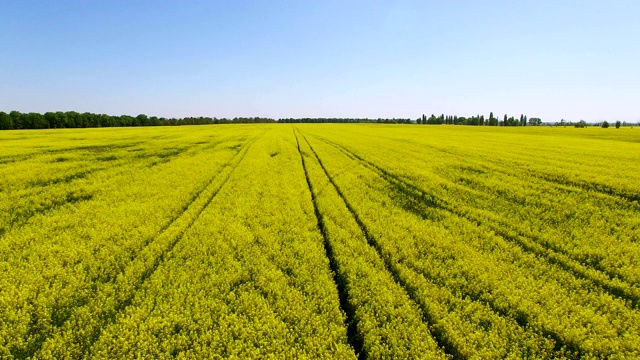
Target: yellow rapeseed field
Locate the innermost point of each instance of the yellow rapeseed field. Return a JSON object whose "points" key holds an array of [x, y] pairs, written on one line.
{"points": [[320, 241]]}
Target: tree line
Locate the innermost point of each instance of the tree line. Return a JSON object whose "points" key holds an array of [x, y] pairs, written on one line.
{"points": [[344, 120], [603, 124], [16, 120], [479, 120]]}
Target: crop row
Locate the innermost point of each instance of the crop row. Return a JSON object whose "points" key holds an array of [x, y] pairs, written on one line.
{"points": [[461, 267], [322, 241], [248, 278], [57, 261]]}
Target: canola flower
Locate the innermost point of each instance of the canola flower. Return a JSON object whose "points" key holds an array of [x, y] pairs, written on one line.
{"points": [[319, 241]]}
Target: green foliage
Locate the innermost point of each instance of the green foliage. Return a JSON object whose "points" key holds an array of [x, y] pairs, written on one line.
{"points": [[72, 119], [535, 122], [6, 122]]}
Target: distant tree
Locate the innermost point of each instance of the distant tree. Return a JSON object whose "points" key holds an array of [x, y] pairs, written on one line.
{"points": [[35, 121], [492, 120], [581, 124], [51, 119], [16, 119], [141, 120], [6, 123], [618, 124], [432, 119], [605, 124], [504, 122]]}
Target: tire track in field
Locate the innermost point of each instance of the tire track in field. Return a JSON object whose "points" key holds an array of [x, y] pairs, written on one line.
{"points": [[82, 173], [441, 338], [575, 351], [522, 319], [149, 272], [32, 155], [353, 335], [36, 188], [120, 294], [609, 282], [559, 186], [613, 286], [185, 207], [629, 197], [558, 181], [60, 315]]}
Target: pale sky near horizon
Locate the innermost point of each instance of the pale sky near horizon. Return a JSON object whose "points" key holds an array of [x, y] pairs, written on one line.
{"points": [[549, 59]]}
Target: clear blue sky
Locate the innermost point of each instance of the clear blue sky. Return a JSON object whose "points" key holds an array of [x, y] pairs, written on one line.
{"points": [[551, 59]]}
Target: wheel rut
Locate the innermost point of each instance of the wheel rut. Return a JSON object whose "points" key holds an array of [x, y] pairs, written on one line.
{"points": [[119, 295], [355, 340], [440, 337], [604, 280], [574, 350]]}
